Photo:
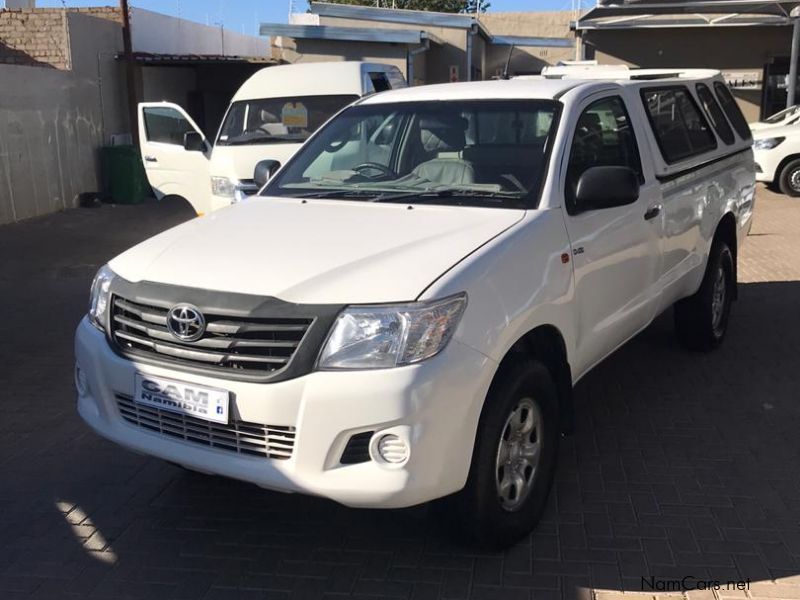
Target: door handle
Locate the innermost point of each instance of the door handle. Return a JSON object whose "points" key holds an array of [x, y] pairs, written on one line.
{"points": [[150, 159], [652, 212]]}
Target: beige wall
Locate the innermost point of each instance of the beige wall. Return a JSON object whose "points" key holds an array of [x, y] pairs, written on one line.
{"points": [[438, 61], [302, 50], [527, 60]]}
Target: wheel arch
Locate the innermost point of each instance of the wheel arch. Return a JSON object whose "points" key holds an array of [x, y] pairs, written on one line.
{"points": [[782, 165], [545, 343], [726, 232]]}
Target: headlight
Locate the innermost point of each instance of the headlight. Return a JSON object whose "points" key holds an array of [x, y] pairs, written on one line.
{"points": [[767, 143], [222, 186], [375, 337], [98, 297]]}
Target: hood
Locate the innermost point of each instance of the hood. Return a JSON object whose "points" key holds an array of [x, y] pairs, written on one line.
{"points": [[318, 252], [239, 162], [760, 125], [776, 131]]}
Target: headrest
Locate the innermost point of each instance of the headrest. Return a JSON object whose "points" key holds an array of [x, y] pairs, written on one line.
{"points": [[443, 133]]}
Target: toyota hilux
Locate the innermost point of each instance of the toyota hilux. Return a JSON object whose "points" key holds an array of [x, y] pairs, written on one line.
{"points": [[401, 313]]}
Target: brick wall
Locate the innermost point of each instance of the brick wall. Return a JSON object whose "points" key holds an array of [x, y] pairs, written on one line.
{"points": [[38, 37]]}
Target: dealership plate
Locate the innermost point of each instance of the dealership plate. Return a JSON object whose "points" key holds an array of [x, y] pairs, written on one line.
{"points": [[189, 399]]}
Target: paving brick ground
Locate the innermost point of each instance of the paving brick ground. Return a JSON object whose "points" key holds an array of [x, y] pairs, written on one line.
{"points": [[682, 465]]}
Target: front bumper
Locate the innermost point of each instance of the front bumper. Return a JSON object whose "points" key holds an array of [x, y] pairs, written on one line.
{"points": [[433, 406]]}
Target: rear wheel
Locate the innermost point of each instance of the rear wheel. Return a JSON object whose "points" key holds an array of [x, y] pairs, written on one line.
{"points": [[513, 461], [701, 320], [789, 178]]}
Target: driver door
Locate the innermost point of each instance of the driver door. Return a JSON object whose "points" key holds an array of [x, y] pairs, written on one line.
{"points": [[176, 165], [616, 251]]}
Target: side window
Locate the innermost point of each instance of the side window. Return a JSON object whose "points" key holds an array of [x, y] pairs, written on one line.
{"points": [[714, 113], [603, 137], [731, 109], [680, 130], [379, 81], [165, 124]]}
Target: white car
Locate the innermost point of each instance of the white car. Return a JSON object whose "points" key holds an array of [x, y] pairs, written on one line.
{"points": [[401, 314], [788, 116], [269, 117], [777, 155]]}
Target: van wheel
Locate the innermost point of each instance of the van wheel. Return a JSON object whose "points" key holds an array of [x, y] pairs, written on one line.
{"points": [[513, 461], [702, 319], [789, 180]]}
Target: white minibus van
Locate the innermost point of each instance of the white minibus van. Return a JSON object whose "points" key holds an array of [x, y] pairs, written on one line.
{"points": [[270, 117]]}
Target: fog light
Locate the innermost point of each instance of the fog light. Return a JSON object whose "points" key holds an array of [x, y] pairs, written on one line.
{"points": [[392, 449], [81, 382]]}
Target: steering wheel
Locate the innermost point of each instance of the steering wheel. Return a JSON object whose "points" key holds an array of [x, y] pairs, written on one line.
{"points": [[384, 170]]}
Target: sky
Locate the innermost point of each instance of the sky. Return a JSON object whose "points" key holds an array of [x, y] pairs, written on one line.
{"points": [[245, 15]]}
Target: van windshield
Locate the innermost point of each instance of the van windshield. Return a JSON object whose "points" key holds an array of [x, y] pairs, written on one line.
{"points": [[476, 152], [288, 120]]}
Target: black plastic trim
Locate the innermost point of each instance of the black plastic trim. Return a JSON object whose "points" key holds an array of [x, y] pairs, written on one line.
{"points": [[232, 305], [703, 165], [357, 449]]}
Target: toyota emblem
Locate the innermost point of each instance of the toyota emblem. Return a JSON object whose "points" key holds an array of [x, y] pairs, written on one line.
{"points": [[186, 322]]}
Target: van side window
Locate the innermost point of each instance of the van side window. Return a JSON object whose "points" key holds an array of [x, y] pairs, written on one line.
{"points": [[680, 129], [733, 111], [715, 114], [603, 137], [165, 124], [379, 81]]}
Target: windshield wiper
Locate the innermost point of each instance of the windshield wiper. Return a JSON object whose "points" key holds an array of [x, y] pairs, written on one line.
{"points": [[354, 193], [454, 193]]}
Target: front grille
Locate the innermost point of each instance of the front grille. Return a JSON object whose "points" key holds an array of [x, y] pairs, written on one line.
{"points": [[258, 346], [240, 437]]}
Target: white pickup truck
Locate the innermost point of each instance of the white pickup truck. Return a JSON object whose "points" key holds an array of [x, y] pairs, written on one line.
{"points": [[401, 314]]}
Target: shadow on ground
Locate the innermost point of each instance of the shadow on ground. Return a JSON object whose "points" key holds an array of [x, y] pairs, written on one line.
{"points": [[681, 465]]}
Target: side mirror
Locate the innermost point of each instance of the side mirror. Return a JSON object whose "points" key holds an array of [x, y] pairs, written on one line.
{"points": [[193, 142], [264, 170], [605, 187]]}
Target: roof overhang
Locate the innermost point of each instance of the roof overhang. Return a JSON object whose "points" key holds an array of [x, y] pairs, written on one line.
{"points": [[540, 42], [349, 34], [180, 60], [611, 14], [402, 16]]}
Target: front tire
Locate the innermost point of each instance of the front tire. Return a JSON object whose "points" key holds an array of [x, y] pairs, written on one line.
{"points": [[701, 320], [513, 461], [789, 179]]}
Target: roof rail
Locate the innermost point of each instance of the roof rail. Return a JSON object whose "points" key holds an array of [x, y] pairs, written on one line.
{"points": [[623, 72]]}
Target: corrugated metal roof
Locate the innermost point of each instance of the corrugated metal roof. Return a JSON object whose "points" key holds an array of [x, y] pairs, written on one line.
{"points": [[193, 59]]}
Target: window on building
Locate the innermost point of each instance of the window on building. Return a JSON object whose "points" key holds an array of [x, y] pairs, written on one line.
{"points": [[715, 114], [733, 111], [603, 137], [680, 129]]}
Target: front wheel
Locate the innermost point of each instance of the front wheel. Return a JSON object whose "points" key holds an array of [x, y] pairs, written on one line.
{"points": [[789, 178], [513, 461], [701, 321]]}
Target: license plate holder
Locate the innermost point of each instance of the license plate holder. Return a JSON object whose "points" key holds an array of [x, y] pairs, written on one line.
{"points": [[192, 400]]}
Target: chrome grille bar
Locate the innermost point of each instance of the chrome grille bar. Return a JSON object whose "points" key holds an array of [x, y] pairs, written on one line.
{"points": [[241, 437], [253, 345]]}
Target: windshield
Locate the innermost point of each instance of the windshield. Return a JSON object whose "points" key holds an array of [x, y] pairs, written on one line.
{"points": [[479, 152], [785, 113], [287, 120]]}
